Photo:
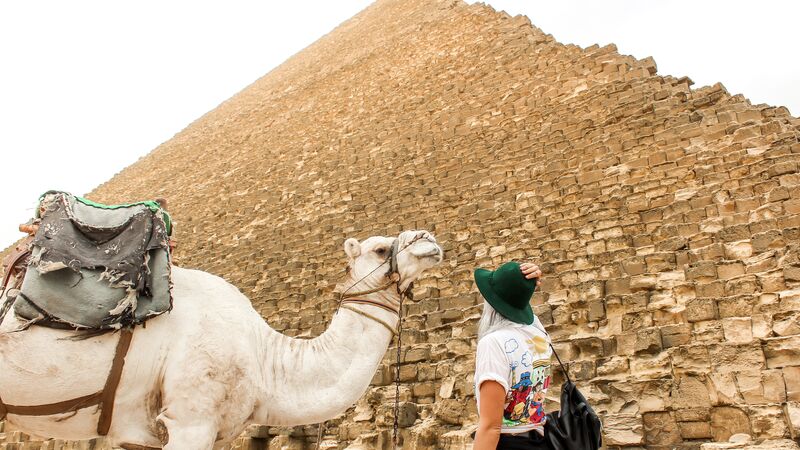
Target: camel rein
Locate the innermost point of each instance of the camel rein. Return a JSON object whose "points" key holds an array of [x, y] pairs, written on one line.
{"points": [[347, 299]]}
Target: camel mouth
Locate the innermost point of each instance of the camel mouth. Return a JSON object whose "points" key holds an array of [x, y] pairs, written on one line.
{"points": [[424, 247], [436, 253]]}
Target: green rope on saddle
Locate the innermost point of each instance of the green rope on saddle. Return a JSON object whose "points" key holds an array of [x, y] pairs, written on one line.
{"points": [[152, 204]]}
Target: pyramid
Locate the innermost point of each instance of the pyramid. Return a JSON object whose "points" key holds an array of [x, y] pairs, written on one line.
{"points": [[666, 219]]}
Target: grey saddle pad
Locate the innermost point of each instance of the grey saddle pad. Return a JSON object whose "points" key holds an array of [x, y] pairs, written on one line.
{"points": [[96, 268]]}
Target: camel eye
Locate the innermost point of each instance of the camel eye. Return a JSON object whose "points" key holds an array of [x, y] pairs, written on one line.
{"points": [[381, 251]]}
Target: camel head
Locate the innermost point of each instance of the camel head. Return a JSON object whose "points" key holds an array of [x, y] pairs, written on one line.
{"points": [[415, 251]]}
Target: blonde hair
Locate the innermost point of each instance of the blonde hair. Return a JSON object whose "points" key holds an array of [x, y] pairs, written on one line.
{"points": [[491, 320]]}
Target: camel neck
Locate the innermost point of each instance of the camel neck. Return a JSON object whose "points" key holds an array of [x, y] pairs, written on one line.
{"points": [[312, 380]]}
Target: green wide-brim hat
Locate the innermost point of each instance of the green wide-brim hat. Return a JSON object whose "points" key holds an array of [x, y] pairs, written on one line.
{"points": [[508, 291]]}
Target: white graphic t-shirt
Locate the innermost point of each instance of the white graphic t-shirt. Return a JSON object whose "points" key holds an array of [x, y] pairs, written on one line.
{"points": [[518, 358]]}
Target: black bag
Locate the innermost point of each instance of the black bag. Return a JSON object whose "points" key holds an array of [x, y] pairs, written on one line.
{"points": [[576, 426]]}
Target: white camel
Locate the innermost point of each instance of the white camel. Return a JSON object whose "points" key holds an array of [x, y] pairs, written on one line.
{"points": [[196, 377]]}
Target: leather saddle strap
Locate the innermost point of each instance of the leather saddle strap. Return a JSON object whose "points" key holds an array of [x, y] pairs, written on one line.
{"points": [[66, 406], [109, 392], [104, 398], [10, 269], [137, 447]]}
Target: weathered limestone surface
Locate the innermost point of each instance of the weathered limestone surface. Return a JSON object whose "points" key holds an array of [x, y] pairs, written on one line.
{"points": [[667, 219]]}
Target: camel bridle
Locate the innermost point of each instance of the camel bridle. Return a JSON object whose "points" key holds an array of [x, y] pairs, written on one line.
{"points": [[393, 279]]}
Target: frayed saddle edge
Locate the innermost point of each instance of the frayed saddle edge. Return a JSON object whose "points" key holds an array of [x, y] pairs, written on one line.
{"points": [[113, 277], [128, 303], [28, 324]]}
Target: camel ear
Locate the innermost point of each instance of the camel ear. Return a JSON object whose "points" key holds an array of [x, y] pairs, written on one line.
{"points": [[352, 248]]}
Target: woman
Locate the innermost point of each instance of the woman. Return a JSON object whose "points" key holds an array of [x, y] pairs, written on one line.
{"points": [[512, 366]]}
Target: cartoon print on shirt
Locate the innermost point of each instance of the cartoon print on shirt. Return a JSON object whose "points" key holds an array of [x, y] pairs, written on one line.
{"points": [[519, 410], [526, 359], [538, 343], [519, 358], [514, 370], [517, 398], [540, 373], [525, 398], [511, 345], [536, 407]]}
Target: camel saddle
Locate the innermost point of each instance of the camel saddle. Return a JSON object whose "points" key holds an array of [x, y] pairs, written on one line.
{"points": [[95, 266]]}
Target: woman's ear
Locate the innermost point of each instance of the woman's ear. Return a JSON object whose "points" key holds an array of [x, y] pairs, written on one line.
{"points": [[352, 248]]}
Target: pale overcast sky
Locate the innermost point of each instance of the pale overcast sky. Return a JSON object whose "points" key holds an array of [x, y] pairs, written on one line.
{"points": [[88, 87]]}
